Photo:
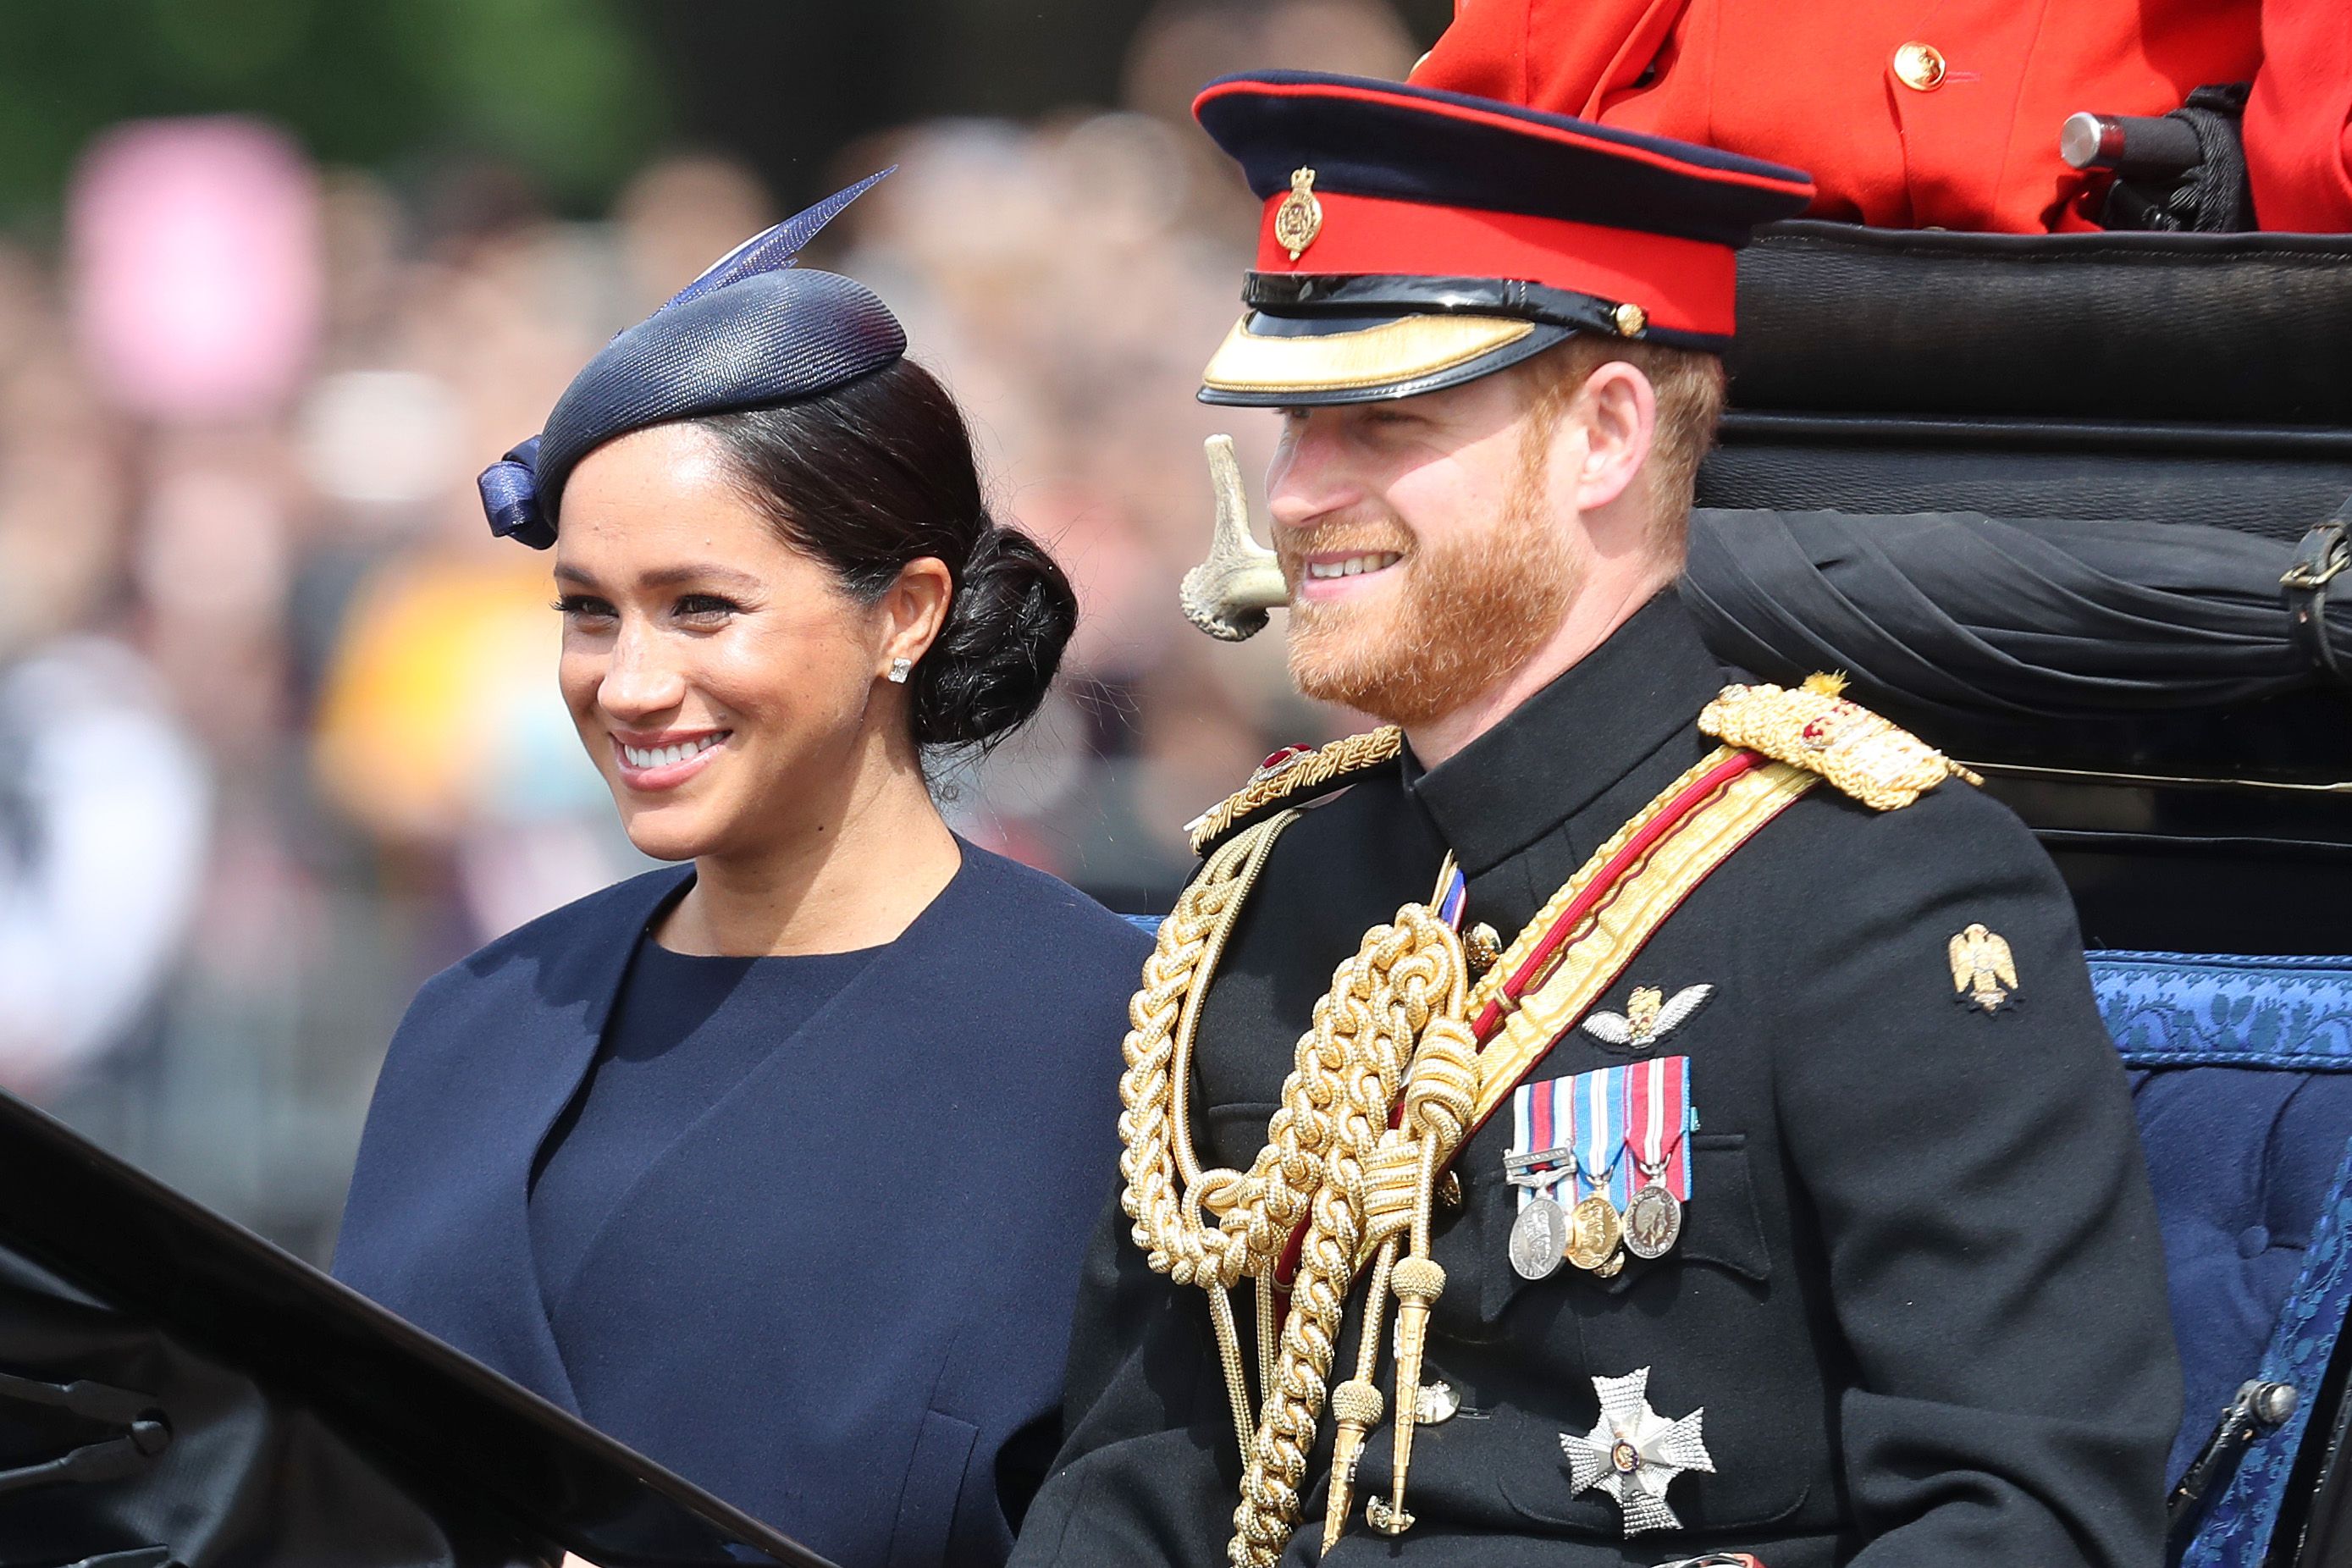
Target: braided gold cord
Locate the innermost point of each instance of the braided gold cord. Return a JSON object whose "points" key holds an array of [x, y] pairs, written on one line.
{"points": [[1330, 1159], [1317, 767], [1172, 1239], [1257, 1212], [1403, 989]]}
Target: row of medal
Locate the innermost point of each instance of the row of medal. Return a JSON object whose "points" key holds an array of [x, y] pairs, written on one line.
{"points": [[1602, 1164]]}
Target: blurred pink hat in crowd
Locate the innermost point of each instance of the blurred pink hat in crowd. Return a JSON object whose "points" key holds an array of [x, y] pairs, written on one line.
{"points": [[194, 259]]}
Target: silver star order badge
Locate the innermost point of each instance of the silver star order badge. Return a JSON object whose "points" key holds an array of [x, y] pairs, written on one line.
{"points": [[1633, 1452]]}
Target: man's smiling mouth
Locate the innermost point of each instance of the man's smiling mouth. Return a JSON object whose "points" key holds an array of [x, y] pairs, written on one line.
{"points": [[1352, 566]]}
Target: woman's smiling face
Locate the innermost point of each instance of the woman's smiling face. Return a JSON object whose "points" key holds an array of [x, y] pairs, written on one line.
{"points": [[719, 678]]}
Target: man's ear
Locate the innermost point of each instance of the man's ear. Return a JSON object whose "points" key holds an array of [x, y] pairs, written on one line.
{"points": [[913, 609], [1617, 410]]}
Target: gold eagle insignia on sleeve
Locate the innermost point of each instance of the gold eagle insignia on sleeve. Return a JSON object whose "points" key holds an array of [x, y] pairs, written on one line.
{"points": [[1815, 726], [1984, 971]]}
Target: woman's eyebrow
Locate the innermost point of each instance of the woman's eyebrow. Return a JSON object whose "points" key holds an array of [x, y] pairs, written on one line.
{"points": [[668, 577], [671, 577]]}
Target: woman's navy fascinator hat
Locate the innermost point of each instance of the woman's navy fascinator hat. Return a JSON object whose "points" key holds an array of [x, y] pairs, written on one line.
{"points": [[754, 330]]}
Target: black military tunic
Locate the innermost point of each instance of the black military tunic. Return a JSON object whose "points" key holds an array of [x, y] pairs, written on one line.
{"points": [[1918, 1292]]}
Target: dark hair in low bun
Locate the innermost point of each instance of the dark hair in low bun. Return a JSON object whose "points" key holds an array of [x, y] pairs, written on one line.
{"points": [[879, 472], [991, 663]]}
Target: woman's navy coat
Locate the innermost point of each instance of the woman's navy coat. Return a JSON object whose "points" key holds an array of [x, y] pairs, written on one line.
{"points": [[836, 1297]]}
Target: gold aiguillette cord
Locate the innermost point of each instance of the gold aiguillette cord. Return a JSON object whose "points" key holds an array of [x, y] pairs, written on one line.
{"points": [[1439, 1091]]}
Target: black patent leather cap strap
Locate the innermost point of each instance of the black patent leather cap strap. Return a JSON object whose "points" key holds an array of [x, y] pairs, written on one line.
{"points": [[1367, 295]]}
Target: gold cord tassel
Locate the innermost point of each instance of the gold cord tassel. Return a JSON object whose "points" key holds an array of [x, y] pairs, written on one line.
{"points": [[1438, 1098], [1419, 1283], [1357, 1403]]}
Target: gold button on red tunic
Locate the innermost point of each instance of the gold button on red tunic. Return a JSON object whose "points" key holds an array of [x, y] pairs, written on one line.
{"points": [[1920, 67]]}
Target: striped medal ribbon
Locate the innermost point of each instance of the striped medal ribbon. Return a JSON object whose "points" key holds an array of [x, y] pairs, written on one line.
{"points": [[1657, 1116], [1543, 1155]]}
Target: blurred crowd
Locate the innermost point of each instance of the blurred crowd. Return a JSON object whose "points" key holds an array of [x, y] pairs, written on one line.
{"points": [[285, 736]]}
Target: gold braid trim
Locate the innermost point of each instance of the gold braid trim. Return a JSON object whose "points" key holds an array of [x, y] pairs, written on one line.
{"points": [[1308, 771], [1598, 951], [1814, 728]]}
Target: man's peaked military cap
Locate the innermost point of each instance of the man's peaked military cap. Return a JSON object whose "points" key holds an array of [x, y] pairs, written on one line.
{"points": [[1415, 239]]}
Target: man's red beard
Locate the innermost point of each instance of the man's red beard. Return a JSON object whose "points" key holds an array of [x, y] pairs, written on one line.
{"points": [[1457, 620]]}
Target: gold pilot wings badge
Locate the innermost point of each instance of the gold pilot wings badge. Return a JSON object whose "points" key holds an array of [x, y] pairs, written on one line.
{"points": [[1984, 971], [1650, 1015]]}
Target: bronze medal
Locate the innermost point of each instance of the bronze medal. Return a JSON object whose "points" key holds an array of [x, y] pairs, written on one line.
{"points": [[1538, 1238], [1593, 1232], [1653, 1222]]}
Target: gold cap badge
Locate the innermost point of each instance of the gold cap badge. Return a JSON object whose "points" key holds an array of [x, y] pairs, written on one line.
{"points": [[1300, 218]]}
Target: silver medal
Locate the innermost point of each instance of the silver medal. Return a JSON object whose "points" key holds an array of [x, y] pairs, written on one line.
{"points": [[1538, 1238], [1653, 1222]]}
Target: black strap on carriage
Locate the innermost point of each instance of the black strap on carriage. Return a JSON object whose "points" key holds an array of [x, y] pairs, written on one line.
{"points": [[2319, 558]]}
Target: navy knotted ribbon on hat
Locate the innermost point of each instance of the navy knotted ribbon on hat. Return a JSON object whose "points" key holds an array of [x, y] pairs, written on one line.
{"points": [[754, 330]]}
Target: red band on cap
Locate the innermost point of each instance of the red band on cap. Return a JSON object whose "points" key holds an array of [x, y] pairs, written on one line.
{"points": [[1685, 285]]}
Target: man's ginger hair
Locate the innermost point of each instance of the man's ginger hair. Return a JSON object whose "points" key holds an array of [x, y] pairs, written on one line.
{"points": [[1690, 394]]}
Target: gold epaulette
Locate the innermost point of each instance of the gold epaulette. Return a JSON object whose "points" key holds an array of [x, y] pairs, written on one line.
{"points": [[1290, 773], [1815, 728]]}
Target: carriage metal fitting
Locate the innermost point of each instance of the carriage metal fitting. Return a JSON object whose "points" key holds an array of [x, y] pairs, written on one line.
{"points": [[2257, 1409], [2323, 553]]}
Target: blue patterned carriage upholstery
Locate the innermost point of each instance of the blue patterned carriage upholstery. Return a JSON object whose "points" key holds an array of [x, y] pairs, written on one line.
{"points": [[2241, 1076], [2241, 1073]]}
